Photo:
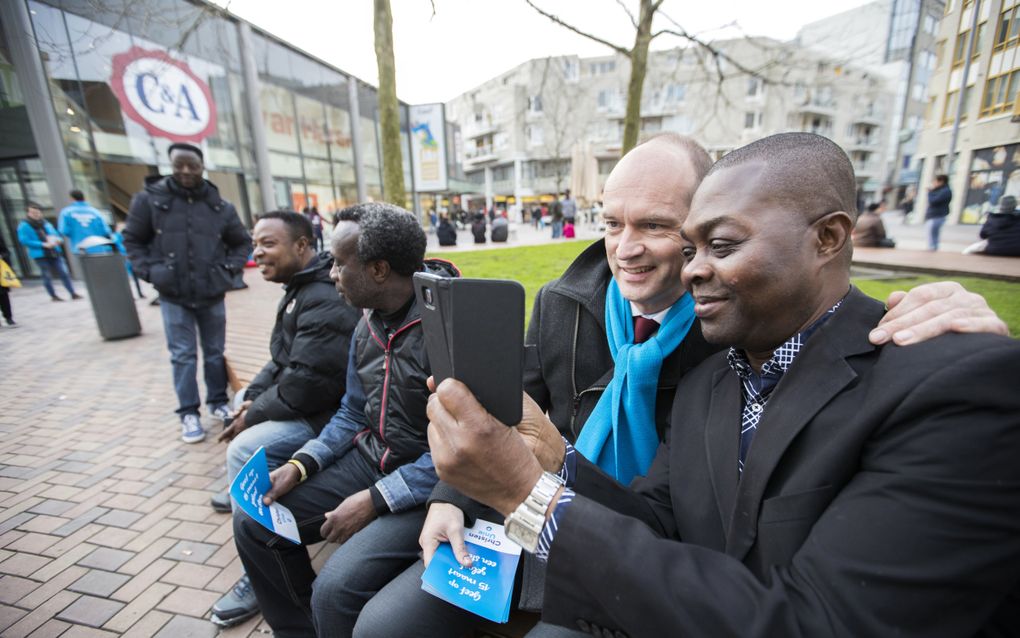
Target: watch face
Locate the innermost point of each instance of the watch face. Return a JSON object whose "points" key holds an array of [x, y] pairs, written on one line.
{"points": [[522, 535]]}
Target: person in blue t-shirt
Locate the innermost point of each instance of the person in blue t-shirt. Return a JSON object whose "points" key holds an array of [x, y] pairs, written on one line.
{"points": [[80, 220]]}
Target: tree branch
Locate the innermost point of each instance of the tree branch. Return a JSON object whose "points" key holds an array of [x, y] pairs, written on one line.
{"points": [[557, 20], [630, 15]]}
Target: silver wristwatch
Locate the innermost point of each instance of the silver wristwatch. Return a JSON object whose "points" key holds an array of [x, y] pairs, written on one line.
{"points": [[524, 525]]}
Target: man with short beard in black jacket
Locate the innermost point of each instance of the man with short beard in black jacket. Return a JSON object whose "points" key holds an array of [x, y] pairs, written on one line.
{"points": [[299, 389]]}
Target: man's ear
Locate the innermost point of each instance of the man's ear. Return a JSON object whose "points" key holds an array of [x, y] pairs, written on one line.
{"points": [[380, 269], [832, 232]]}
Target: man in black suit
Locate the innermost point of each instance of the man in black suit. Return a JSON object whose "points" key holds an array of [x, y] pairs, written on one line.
{"points": [[812, 483]]}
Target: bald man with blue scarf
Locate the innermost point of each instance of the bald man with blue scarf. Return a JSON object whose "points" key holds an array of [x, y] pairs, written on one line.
{"points": [[614, 335]]}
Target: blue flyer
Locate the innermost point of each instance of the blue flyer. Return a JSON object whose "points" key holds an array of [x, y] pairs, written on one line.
{"points": [[247, 490], [486, 587]]}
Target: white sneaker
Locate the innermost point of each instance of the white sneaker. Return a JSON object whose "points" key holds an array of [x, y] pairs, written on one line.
{"points": [[221, 412], [191, 429]]}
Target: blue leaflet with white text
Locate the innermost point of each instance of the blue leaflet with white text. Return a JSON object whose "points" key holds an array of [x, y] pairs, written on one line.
{"points": [[486, 587], [247, 490]]}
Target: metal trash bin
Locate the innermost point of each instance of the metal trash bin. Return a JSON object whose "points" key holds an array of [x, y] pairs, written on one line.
{"points": [[106, 280]]}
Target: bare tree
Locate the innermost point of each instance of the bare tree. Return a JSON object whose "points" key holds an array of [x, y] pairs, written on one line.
{"points": [[389, 108], [637, 54], [563, 122]]}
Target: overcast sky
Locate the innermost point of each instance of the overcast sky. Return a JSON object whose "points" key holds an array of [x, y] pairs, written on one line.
{"points": [[470, 41]]}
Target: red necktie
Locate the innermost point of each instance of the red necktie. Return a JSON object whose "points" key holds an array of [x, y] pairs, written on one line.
{"points": [[644, 328]]}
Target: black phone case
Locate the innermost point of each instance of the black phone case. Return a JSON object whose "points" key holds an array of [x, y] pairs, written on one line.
{"points": [[474, 332]]}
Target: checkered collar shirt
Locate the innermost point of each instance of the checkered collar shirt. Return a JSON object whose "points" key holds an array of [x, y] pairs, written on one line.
{"points": [[756, 388]]}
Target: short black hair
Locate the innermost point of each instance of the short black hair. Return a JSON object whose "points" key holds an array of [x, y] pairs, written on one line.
{"points": [[873, 207], [77, 195], [181, 146], [808, 171], [942, 178], [389, 233], [297, 224]]}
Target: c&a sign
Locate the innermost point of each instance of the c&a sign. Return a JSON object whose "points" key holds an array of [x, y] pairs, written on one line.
{"points": [[163, 95]]}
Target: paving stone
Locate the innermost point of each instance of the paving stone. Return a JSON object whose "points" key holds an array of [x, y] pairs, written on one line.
{"points": [[79, 631], [119, 518], [12, 588], [80, 456], [184, 627], [188, 551], [73, 540], [62, 562], [139, 607], [148, 625], [189, 602], [144, 558], [190, 575], [10, 615], [91, 611], [114, 537], [51, 587], [190, 531], [14, 521], [40, 614], [81, 521], [52, 506], [33, 543], [42, 523], [23, 564], [144, 579], [50, 629], [98, 582], [106, 558]]}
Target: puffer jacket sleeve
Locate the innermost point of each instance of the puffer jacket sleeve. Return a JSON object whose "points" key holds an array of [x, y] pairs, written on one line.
{"points": [[237, 240], [138, 235], [317, 371]]}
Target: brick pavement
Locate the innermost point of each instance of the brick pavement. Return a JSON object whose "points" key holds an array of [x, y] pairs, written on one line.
{"points": [[105, 527]]}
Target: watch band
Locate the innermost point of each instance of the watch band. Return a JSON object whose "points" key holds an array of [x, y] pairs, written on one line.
{"points": [[524, 524]]}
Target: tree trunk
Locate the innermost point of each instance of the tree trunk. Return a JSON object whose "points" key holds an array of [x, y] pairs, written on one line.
{"points": [[638, 67], [389, 109]]}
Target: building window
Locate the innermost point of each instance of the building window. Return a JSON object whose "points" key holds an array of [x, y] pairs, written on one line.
{"points": [[1000, 94], [753, 87], [961, 44], [601, 68], [1008, 31], [931, 24], [536, 135], [535, 103], [949, 112], [752, 121], [676, 92]]}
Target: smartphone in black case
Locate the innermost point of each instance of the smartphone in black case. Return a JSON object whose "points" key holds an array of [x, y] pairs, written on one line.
{"points": [[474, 332]]}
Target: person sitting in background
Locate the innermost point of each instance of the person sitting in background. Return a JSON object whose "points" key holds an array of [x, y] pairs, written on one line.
{"points": [[869, 231], [478, 228], [446, 232], [42, 241], [500, 229], [79, 221], [1000, 234]]}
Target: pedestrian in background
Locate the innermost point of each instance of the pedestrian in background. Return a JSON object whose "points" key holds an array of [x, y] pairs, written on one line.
{"points": [[79, 220], [118, 240], [5, 298], [556, 211], [939, 197], [42, 241], [188, 242], [313, 216]]}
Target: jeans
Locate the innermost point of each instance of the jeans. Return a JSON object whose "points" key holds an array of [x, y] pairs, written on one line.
{"points": [[49, 266], [934, 230], [281, 572], [557, 229], [432, 616], [280, 438], [179, 323]]}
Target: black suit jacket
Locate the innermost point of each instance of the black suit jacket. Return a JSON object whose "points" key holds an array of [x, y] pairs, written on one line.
{"points": [[880, 497]]}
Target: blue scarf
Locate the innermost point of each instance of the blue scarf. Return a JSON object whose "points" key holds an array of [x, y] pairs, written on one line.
{"points": [[620, 435]]}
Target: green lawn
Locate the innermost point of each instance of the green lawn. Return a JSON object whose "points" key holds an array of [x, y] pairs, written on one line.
{"points": [[535, 265]]}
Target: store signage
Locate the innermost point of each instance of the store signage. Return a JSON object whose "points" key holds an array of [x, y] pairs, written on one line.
{"points": [[163, 95], [428, 147]]}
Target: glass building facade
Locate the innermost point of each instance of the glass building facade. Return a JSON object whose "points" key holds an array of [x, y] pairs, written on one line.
{"points": [[127, 78]]}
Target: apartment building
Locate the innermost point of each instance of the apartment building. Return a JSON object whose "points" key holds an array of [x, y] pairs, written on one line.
{"points": [[556, 123], [973, 107], [896, 39]]}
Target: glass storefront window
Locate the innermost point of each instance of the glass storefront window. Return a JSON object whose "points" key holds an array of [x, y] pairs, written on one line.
{"points": [[277, 107], [311, 125]]}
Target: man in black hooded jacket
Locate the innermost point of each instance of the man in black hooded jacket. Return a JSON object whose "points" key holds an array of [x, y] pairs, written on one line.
{"points": [[188, 242]]}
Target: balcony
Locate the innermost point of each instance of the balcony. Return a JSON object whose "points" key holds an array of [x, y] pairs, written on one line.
{"points": [[826, 108], [867, 118], [865, 170], [478, 129], [479, 155], [866, 144]]}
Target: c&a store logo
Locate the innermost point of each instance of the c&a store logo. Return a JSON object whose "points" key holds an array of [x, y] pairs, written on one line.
{"points": [[163, 95]]}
